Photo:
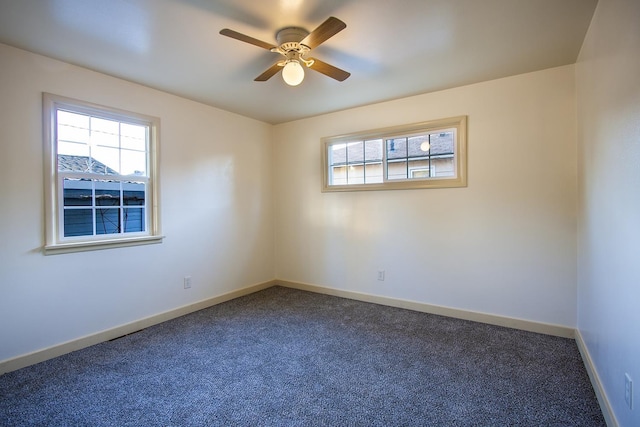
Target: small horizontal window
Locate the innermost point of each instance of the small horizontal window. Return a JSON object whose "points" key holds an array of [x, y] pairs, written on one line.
{"points": [[422, 155]]}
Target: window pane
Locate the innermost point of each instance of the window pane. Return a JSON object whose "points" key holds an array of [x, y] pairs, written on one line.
{"points": [[133, 162], [373, 161], [70, 133], [133, 220], [373, 173], [107, 193], [73, 119], [133, 193], [73, 127], [418, 169], [397, 148], [418, 146], [71, 163], [355, 152], [355, 174], [442, 143], [77, 192], [337, 154], [373, 150], [104, 132], [78, 222], [107, 198], [134, 137], [397, 170], [443, 167], [108, 221], [72, 149], [107, 160], [338, 175]]}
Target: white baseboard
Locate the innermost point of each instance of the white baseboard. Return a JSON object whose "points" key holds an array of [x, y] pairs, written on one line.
{"points": [[77, 344], [605, 406], [89, 340], [526, 325], [544, 328]]}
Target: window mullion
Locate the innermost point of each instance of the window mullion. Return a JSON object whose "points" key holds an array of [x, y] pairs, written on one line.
{"points": [[120, 186], [346, 160], [93, 207], [121, 209], [364, 163], [60, 204], [384, 160], [120, 148], [406, 145], [429, 153]]}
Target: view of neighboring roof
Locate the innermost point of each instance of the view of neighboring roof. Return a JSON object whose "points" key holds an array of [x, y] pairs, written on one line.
{"points": [[68, 163], [440, 144]]}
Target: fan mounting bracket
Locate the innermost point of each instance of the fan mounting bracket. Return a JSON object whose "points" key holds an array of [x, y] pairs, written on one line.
{"points": [[289, 44]]}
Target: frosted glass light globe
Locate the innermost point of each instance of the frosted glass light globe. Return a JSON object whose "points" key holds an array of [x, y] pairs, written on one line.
{"points": [[293, 73]]}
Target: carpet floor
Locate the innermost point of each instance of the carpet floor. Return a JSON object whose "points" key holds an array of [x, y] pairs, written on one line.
{"points": [[284, 357]]}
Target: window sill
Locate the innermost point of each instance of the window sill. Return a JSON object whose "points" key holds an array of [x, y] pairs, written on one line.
{"points": [[62, 248], [401, 185]]}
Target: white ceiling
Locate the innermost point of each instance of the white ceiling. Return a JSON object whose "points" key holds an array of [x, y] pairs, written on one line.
{"points": [[393, 49]]}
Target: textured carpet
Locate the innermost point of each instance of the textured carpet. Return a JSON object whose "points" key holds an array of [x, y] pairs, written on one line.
{"points": [[287, 357]]}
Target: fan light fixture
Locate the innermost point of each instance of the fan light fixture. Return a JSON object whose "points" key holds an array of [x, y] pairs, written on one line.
{"points": [[295, 43], [292, 73]]}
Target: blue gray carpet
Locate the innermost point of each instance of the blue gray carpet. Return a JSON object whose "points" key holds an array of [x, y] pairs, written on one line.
{"points": [[284, 357]]}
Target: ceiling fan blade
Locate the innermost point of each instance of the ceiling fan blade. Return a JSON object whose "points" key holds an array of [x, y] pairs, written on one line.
{"points": [[329, 70], [326, 30], [270, 72], [244, 38]]}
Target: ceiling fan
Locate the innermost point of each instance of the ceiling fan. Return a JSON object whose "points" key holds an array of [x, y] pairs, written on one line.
{"points": [[295, 43]]}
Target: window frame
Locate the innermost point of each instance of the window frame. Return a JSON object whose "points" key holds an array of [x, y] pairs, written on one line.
{"points": [[459, 124], [54, 241]]}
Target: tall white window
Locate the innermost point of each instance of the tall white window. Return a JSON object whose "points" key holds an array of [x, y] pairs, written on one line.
{"points": [[100, 176], [421, 155]]}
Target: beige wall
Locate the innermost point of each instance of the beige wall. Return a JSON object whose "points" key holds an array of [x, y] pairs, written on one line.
{"points": [[505, 245], [216, 211], [233, 189], [608, 89]]}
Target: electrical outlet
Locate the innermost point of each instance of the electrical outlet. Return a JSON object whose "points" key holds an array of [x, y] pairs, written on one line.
{"points": [[381, 275], [187, 282], [628, 390]]}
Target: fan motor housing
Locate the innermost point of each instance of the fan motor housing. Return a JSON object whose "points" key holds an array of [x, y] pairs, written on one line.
{"points": [[291, 35]]}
